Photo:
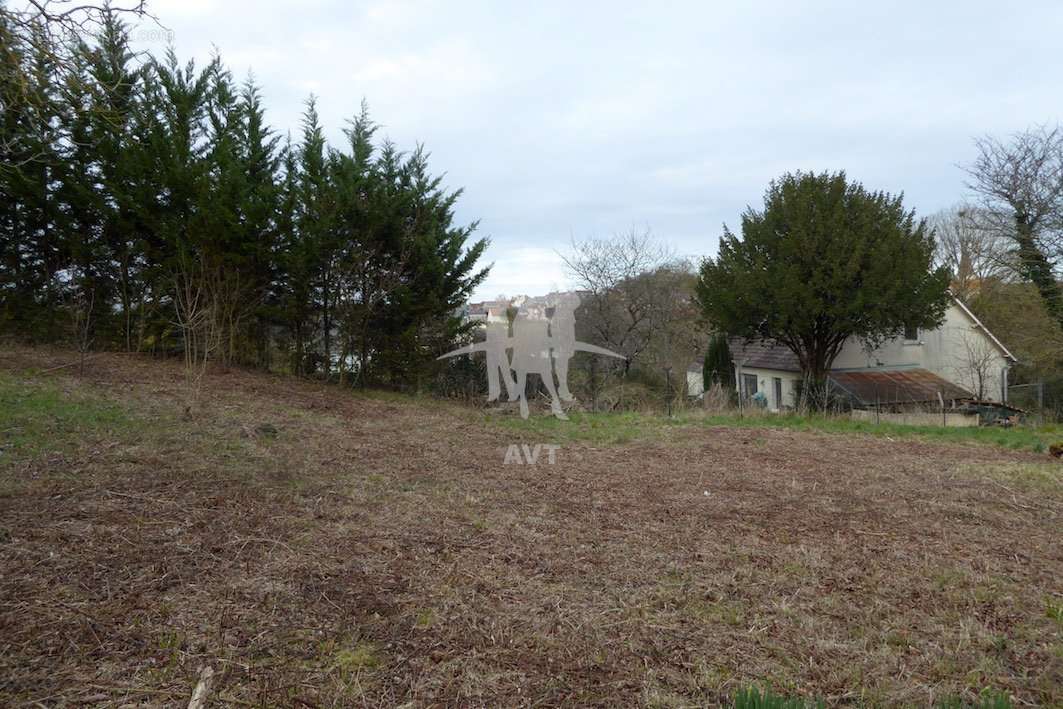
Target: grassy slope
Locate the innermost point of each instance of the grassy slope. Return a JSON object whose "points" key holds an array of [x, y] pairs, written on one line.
{"points": [[626, 427], [376, 550], [40, 415]]}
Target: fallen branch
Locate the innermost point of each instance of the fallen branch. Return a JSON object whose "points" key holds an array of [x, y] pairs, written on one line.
{"points": [[199, 694]]}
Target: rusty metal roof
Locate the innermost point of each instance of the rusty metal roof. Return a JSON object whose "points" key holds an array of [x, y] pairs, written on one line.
{"points": [[763, 354], [897, 386]]}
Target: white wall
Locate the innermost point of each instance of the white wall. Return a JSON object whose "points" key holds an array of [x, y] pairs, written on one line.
{"points": [[958, 351], [695, 384], [765, 384]]}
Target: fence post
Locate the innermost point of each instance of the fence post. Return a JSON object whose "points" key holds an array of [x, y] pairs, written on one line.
{"points": [[739, 386], [668, 389]]}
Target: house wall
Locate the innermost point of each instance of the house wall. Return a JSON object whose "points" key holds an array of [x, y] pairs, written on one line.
{"points": [[958, 351], [953, 420], [765, 384], [695, 383]]}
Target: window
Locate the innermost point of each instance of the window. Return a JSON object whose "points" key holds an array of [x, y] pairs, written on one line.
{"points": [[776, 383], [749, 384], [911, 333]]}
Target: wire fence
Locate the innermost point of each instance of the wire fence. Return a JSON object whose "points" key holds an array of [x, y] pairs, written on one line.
{"points": [[1043, 399]]}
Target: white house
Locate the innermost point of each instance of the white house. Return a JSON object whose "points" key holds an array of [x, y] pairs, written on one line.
{"points": [[959, 360]]}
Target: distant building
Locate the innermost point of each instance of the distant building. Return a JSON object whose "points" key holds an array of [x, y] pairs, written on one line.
{"points": [[496, 309], [961, 360]]}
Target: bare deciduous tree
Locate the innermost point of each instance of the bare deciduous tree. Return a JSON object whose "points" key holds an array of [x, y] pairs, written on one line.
{"points": [[972, 248], [50, 30], [79, 305], [1020, 183], [975, 365], [618, 303], [197, 319], [50, 27], [233, 301], [637, 300]]}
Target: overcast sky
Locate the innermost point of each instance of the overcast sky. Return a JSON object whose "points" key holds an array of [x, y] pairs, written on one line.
{"points": [[566, 119]]}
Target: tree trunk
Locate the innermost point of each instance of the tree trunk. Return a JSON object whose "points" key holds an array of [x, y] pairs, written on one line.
{"points": [[326, 322], [1037, 267]]}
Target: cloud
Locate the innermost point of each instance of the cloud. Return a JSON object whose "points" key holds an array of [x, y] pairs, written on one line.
{"points": [[577, 119], [524, 270]]}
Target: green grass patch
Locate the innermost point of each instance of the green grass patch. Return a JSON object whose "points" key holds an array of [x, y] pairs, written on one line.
{"points": [[594, 428], [987, 700], [629, 426], [1036, 478], [1017, 437], [754, 698], [40, 416], [1054, 610], [350, 660]]}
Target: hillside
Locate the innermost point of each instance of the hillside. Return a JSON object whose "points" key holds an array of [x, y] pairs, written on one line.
{"points": [[321, 547]]}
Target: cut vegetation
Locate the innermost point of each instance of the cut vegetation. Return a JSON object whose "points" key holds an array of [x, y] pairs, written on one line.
{"points": [[318, 547]]}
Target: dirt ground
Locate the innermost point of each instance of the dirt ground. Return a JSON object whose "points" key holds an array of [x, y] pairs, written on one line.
{"points": [[317, 547]]}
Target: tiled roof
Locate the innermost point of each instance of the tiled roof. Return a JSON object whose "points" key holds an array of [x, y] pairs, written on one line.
{"points": [[763, 354], [867, 386]]}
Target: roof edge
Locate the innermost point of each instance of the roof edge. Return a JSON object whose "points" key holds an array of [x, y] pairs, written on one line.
{"points": [[978, 323]]}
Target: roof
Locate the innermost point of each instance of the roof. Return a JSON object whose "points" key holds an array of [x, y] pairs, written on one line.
{"points": [[897, 386], [978, 323], [763, 354]]}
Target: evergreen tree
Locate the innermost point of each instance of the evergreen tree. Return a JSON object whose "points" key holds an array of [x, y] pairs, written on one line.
{"points": [[718, 367], [258, 214], [223, 247], [177, 139], [290, 290], [369, 263], [78, 223], [30, 248], [439, 271], [825, 260], [134, 187], [307, 270], [115, 85]]}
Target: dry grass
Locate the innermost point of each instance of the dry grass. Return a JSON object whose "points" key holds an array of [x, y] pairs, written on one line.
{"points": [[375, 551]]}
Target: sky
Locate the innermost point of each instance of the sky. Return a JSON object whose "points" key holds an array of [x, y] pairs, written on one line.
{"points": [[569, 120]]}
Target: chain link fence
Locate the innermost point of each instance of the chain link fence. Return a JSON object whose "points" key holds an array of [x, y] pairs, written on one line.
{"points": [[1043, 399]]}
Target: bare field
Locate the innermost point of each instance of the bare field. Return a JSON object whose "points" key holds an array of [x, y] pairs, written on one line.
{"points": [[318, 547]]}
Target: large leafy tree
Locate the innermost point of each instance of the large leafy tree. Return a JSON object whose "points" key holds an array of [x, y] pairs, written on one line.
{"points": [[824, 261]]}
